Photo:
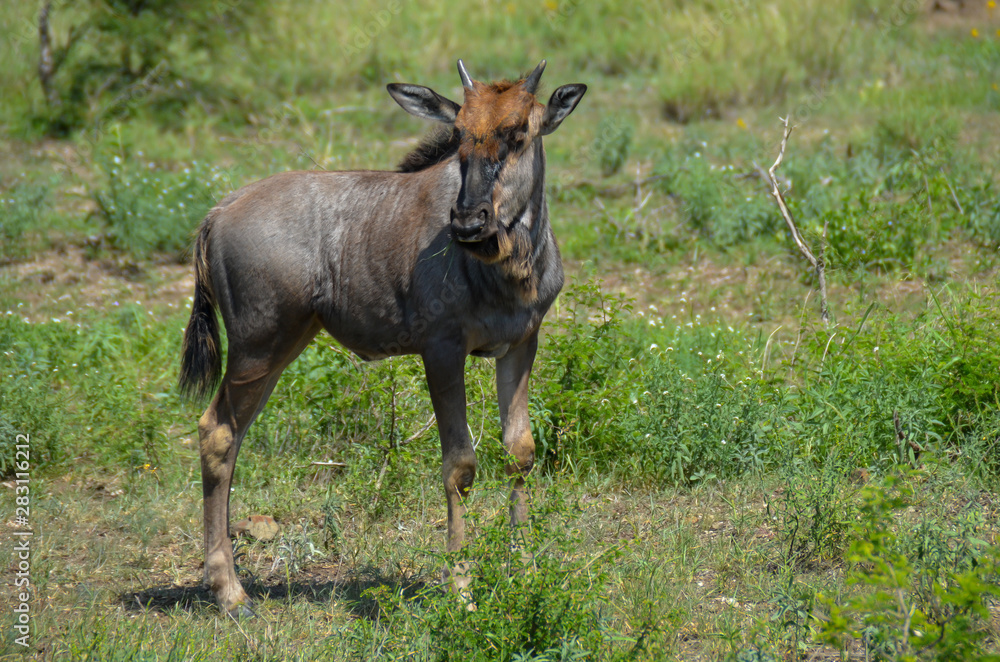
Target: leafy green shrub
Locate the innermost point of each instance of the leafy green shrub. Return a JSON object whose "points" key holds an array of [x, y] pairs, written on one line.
{"points": [[910, 128], [726, 211], [580, 384], [21, 208], [966, 352], [376, 416], [984, 217], [871, 234], [83, 388], [927, 590], [149, 209], [612, 144], [815, 513], [31, 356], [711, 64], [693, 422], [121, 54], [537, 600]]}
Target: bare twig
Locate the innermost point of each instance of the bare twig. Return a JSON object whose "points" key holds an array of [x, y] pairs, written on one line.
{"points": [[817, 263], [826, 349], [426, 426], [767, 352], [958, 205], [798, 336]]}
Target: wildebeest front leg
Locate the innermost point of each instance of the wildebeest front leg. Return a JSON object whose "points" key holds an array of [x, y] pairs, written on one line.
{"points": [[513, 372], [445, 368]]}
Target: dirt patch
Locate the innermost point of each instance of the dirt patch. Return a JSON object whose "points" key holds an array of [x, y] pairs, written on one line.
{"points": [[962, 15], [61, 284]]}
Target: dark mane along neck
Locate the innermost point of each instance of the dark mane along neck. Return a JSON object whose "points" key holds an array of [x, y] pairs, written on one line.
{"points": [[432, 150]]}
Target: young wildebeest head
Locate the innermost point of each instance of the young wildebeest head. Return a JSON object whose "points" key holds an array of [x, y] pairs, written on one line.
{"points": [[496, 134]]}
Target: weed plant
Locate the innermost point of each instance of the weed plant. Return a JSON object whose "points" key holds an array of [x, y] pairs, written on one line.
{"points": [[930, 584], [149, 210]]}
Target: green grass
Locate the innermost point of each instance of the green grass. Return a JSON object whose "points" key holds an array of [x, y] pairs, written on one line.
{"points": [[719, 475]]}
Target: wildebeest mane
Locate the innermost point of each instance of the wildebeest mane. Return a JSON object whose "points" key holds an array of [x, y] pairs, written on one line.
{"points": [[435, 148]]}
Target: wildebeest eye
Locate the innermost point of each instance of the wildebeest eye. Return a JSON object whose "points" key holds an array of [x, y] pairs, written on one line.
{"points": [[491, 169], [503, 151], [515, 137]]}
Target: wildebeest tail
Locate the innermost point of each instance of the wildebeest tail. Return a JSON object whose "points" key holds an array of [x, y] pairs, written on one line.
{"points": [[201, 359]]}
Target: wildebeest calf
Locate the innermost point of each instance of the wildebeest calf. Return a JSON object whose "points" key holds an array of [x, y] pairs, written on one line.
{"points": [[452, 255]]}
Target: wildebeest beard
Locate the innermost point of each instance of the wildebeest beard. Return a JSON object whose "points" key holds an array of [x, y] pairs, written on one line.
{"points": [[511, 248]]}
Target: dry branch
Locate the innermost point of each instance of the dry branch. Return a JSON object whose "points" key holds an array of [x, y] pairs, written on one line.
{"points": [[817, 263]]}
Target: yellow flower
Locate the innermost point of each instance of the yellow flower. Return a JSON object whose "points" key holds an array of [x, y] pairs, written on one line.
{"points": [[974, 32], [551, 5], [740, 123], [992, 4]]}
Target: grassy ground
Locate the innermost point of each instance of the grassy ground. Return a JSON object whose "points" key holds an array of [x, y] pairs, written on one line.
{"points": [[720, 475]]}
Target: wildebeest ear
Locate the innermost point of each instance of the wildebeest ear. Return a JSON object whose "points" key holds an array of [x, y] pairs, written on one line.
{"points": [[424, 102], [561, 103]]}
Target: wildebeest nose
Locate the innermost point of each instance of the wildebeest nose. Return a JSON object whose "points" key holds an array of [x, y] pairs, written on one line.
{"points": [[468, 223]]}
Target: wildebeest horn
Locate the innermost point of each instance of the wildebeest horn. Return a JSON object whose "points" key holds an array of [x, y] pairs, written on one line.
{"points": [[531, 82], [466, 78]]}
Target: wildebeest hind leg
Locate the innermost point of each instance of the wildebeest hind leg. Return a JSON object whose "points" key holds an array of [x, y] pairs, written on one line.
{"points": [[244, 391]]}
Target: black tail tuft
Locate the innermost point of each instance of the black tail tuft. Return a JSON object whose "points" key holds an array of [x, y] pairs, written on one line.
{"points": [[201, 360]]}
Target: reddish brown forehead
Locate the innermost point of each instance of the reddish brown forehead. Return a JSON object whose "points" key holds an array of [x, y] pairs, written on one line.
{"points": [[490, 109]]}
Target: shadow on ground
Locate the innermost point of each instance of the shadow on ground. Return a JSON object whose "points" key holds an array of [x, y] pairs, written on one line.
{"points": [[320, 586]]}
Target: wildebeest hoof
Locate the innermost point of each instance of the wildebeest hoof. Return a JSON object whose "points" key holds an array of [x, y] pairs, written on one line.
{"points": [[459, 582], [242, 610]]}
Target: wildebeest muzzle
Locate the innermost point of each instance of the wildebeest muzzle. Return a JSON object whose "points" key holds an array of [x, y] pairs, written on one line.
{"points": [[473, 224]]}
